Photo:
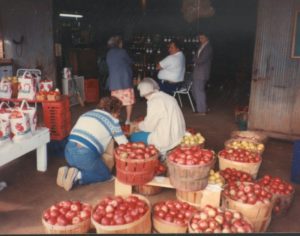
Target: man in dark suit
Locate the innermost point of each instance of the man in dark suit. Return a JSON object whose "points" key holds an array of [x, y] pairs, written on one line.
{"points": [[202, 65]]}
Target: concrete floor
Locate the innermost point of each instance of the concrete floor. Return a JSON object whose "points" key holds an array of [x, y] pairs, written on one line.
{"points": [[29, 192]]}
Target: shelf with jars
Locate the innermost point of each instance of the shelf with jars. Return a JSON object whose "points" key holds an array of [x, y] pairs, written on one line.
{"points": [[148, 50]]}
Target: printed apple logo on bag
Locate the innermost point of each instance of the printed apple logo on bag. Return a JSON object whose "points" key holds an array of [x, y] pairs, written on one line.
{"points": [[19, 127]]}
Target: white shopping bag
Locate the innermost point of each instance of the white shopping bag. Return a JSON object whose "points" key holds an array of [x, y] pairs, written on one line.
{"points": [[27, 86], [20, 125], [5, 111], [46, 85], [5, 89], [32, 114], [4, 132]]}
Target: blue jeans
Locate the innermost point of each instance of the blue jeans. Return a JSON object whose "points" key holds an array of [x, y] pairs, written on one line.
{"points": [[169, 88], [87, 162], [140, 136]]}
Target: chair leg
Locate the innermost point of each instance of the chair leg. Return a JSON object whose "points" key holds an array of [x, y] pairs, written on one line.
{"points": [[180, 100], [191, 102]]}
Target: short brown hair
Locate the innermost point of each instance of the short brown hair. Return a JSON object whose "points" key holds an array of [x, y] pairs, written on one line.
{"points": [[110, 105]]}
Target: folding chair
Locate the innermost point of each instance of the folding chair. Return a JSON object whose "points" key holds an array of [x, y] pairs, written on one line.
{"points": [[185, 90]]}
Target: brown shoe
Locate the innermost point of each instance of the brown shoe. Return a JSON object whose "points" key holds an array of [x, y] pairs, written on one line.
{"points": [[70, 179], [61, 176]]}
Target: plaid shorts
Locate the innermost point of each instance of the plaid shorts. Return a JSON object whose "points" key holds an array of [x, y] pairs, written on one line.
{"points": [[125, 95]]}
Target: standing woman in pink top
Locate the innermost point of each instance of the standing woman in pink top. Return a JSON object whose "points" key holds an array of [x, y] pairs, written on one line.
{"points": [[120, 81]]}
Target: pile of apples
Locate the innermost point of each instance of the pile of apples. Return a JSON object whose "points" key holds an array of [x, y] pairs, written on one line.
{"points": [[191, 156], [247, 145], [160, 169], [276, 185], [190, 139], [240, 155], [282, 190], [232, 175], [173, 211], [136, 151], [248, 193], [67, 213], [214, 220], [215, 178], [118, 210]]}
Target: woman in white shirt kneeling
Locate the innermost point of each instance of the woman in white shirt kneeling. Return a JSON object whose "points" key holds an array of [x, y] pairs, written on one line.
{"points": [[164, 124]]}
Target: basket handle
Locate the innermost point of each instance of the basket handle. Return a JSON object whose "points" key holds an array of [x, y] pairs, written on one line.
{"points": [[4, 103], [24, 103]]}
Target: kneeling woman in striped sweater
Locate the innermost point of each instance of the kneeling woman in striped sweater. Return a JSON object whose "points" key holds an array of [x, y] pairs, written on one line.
{"points": [[91, 140]]}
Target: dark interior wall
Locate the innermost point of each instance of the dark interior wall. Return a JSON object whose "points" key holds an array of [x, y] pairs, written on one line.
{"points": [[31, 19], [231, 29]]}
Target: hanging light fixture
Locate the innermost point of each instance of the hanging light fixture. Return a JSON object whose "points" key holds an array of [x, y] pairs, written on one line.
{"points": [[70, 15]]}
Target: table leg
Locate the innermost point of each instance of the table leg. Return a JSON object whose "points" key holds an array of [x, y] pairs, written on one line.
{"points": [[41, 158]]}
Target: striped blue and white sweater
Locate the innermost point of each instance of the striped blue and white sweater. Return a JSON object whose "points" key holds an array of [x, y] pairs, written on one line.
{"points": [[95, 129]]}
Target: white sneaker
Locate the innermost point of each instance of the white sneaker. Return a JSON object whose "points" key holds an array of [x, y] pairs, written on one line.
{"points": [[127, 122]]}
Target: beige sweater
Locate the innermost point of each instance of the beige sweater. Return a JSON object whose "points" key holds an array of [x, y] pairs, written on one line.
{"points": [[164, 121]]}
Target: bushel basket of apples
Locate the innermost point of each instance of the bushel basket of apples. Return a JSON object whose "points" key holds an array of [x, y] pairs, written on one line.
{"points": [[252, 200], [172, 216], [232, 175], [135, 163], [283, 193], [240, 159], [216, 220], [122, 215], [67, 217], [189, 167], [246, 144], [190, 140], [160, 170], [250, 135]]}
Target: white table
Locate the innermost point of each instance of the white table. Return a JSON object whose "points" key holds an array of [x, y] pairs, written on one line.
{"points": [[14, 150]]}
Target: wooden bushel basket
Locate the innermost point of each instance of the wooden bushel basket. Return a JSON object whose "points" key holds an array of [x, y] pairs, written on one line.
{"points": [[228, 142], [188, 177], [165, 227], [141, 226], [250, 168], [258, 214], [250, 135], [200, 198], [285, 202], [148, 190], [80, 228], [135, 172]]}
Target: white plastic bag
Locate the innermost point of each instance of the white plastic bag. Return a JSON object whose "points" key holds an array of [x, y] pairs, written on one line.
{"points": [[27, 86], [4, 132], [20, 125], [32, 114], [5, 112], [46, 85], [5, 89]]}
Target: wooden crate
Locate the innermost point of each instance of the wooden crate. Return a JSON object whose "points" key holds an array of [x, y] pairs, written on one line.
{"points": [[211, 195]]}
